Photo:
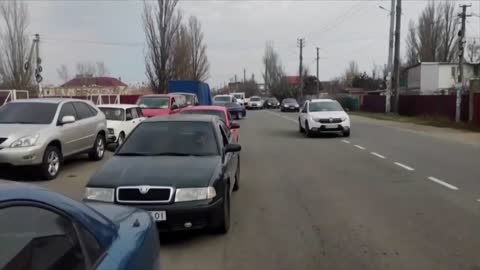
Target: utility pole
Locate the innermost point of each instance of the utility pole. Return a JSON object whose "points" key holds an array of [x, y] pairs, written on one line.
{"points": [[397, 54], [318, 78], [391, 39], [461, 51], [301, 45], [244, 75]]}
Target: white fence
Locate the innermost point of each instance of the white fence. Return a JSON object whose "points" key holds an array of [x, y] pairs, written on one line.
{"points": [[10, 95]]}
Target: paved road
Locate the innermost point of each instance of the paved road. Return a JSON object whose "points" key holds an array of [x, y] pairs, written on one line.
{"points": [[329, 203]]}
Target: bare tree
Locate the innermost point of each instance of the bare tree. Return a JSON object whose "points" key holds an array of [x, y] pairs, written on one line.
{"points": [[350, 73], [449, 33], [85, 70], [273, 68], [62, 72], [14, 45], [412, 45], [430, 33], [472, 51], [199, 60], [161, 23], [181, 55], [101, 69]]}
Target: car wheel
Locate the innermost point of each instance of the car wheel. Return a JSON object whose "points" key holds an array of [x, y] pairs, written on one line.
{"points": [[244, 114], [238, 116], [52, 162], [224, 218], [237, 176], [308, 132], [300, 128], [121, 139], [346, 133], [98, 150]]}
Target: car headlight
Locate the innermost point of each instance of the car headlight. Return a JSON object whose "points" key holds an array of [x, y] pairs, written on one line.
{"points": [[100, 194], [111, 131], [25, 141], [285, 105], [344, 118], [194, 194], [296, 105]]}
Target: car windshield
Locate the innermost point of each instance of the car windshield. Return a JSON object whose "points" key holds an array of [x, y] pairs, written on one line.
{"points": [[218, 113], [327, 106], [113, 114], [289, 101], [238, 96], [223, 98], [154, 102], [273, 100], [28, 113], [255, 99], [233, 105], [171, 138]]}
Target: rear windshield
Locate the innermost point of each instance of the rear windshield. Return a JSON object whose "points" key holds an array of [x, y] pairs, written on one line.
{"points": [[220, 114], [154, 102], [329, 106], [255, 99], [223, 98], [114, 114], [239, 96], [289, 100], [28, 113], [171, 139]]}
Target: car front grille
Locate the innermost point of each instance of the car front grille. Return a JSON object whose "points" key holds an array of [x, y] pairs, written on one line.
{"points": [[2, 140], [144, 194], [330, 120]]}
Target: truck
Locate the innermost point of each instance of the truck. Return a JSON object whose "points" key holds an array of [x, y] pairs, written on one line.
{"points": [[201, 89], [240, 96]]}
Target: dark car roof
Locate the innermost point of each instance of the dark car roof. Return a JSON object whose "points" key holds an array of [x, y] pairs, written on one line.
{"points": [[77, 211], [183, 117]]}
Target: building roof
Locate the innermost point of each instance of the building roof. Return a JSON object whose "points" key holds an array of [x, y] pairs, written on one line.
{"points": [[95, 81]]}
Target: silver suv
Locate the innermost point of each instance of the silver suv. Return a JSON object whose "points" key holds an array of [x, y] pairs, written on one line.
{"points": [[42, 132]]}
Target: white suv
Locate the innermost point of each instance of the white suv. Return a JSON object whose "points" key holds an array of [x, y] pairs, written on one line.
{"points": [[323, 115]]}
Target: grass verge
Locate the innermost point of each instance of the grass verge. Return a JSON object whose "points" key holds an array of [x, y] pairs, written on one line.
{"points": [[419, 120]]}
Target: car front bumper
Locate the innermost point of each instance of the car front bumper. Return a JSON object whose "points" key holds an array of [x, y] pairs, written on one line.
{"points": [[22, 156], [328, 127], [187, 215], [289, 109]]}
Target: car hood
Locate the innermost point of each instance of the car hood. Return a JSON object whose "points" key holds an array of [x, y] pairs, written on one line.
{"points": [[255, 102], [290, 104], [16, 131], [338, 114], [179, 172], [155, 112]]}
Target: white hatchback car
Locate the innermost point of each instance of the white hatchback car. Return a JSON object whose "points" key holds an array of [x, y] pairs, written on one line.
{"points": [[121, 120], [323, 115]]}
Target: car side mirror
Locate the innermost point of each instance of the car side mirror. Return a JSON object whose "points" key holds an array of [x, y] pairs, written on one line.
{"points": [[174, 107], [234, 125], [231, 148], [67, 119]]}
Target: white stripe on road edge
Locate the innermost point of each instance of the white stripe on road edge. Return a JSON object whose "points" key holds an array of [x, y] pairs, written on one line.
{"points": [[345, 141], [378, 155], [404, 166], [360, 147], [282, 116], [445, 184]]}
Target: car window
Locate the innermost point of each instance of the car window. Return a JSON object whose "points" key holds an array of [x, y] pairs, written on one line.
{"points": [[217, 113], [92, 247], [36, 238], [128, 114], [134, 113], [82, 109], [154, 102], [67, 110], [139, 112], [92, 110], [28, 113], [326, 106], [177, 138], [305, 107], [223, 98], [225, 134], [113, 114]]}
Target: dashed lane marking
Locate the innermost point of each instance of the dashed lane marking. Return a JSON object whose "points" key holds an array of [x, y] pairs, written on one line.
{"points": [[360, 147], [345, 141], [404, 166], [378, 155], [443, 183]]}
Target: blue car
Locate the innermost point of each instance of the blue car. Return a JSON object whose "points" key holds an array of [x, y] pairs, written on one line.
{"points": [[40, 229], [236, 110]]}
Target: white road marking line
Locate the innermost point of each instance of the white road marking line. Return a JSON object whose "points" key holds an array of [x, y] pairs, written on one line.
{"points": [[282, 116], [360, 147], [478, 200], [404, 166], [345, 141], [378, 155], [440, 182]]}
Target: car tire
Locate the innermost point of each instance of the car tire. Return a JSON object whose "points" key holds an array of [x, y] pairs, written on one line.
{"points": [[51, 163], [244, 114], [224, 218], [121, 139], [236, 186], [98, 150], [300, 128], [346, 133], [308, 132]]}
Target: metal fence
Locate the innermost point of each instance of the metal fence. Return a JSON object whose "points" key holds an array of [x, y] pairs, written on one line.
{"points": [[9, 95]]}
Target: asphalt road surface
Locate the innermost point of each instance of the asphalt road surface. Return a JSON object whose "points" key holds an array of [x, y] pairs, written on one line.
{"points": [[385, 198]]}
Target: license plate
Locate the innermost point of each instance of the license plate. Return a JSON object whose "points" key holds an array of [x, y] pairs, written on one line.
{"points": [[158, 215], [331, 126]]}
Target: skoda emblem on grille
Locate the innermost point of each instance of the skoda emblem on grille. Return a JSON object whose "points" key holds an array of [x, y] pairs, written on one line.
{"points": [[331, 120], [144, 189]]}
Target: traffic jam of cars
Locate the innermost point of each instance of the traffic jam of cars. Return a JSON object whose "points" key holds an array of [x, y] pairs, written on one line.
{"points": [[175, 165]]}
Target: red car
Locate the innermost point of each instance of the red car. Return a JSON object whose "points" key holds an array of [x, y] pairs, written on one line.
{"points": [[158, 105], [221, 112]]}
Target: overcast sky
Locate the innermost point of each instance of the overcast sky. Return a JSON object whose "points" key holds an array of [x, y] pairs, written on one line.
{"points": [[235, 32]]}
